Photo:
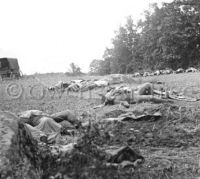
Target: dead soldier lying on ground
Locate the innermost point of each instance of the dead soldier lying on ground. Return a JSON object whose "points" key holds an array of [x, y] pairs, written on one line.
{"points": [[126, 95], [143, 93], [47, 128]]}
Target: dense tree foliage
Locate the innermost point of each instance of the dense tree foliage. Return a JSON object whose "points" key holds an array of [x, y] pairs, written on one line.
{"points": [[100, 67], [168, 37]]}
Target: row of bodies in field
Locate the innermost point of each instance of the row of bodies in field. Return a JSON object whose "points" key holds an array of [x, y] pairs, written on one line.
{"points": [[84, 86], [80, 88], [165, 72]]}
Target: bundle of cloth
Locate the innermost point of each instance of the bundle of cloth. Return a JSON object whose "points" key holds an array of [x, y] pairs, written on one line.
{"points": [[59, 86], [85, 85], [81, 85], [78, 85], [47, 128], [142, 93]]}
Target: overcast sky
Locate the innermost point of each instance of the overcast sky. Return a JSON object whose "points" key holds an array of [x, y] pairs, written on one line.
{"points": [[47, 35]]}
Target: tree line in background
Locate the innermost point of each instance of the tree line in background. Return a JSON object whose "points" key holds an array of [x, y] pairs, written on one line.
{"points": [[168, 37], [74, 70]]}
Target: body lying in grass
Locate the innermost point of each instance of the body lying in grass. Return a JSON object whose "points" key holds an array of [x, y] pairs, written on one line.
{"points": [[143, 93], [126, 95], [48, 127]]}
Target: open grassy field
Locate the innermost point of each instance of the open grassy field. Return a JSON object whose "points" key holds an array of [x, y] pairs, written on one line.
{"points": [[170, 146]]}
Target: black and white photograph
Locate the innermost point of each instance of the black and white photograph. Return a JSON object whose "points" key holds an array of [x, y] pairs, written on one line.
{"points": [[100, 89]]}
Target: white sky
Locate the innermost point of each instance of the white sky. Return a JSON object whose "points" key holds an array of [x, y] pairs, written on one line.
{"points": [[47, 35]]}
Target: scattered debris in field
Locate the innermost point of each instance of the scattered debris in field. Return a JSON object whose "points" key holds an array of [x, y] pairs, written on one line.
{"points": [[132, 117]]}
